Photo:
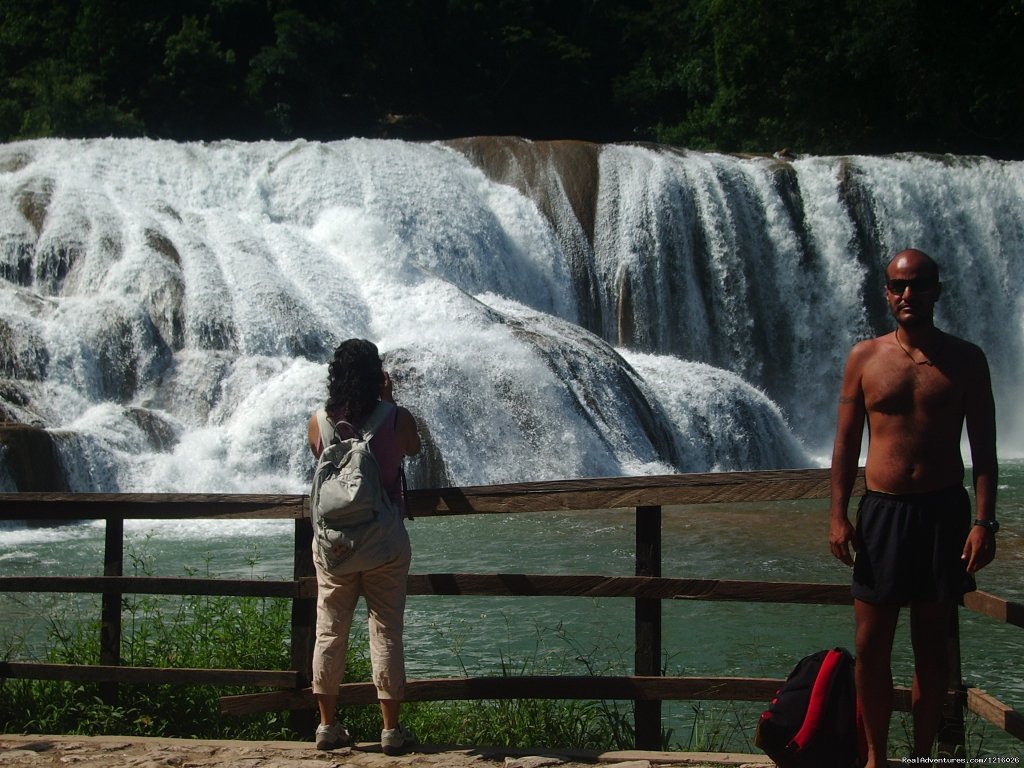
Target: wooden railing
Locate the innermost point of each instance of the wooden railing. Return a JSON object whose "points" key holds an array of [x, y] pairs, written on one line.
{"points": [[647, 688]]}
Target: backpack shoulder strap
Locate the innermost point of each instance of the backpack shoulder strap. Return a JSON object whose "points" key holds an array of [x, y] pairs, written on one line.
{"points": [[323, 422], [376, 418]]}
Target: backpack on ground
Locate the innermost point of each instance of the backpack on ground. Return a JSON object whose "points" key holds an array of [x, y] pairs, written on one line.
{"points": [[813, 721], [353, 517]]}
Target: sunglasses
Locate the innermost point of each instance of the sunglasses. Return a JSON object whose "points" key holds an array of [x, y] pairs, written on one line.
{"points": [[918, 284]]}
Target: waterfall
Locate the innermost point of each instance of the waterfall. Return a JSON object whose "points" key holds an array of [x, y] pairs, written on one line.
{"points": [[547, 310]]}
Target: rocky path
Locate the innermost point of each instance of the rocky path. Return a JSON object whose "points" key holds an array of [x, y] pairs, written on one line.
{"points": [[34, 751]]}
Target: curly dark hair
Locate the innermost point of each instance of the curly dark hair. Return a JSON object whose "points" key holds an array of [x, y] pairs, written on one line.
{"points": [[354, 379]]}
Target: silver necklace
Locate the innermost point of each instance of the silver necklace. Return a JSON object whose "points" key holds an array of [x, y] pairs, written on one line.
{"points": [[926, 361]]}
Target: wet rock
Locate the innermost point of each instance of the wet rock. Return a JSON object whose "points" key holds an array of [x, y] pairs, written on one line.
{"points": [[33, 202], [16, 259], [562, 177], [32, 459], [162, 433], [23, 353]]}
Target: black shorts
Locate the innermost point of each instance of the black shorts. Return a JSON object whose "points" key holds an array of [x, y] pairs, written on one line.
{"points": [[909, 547]]}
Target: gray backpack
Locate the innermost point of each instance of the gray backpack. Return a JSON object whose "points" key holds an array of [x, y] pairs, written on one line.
{"points": [[353, 517]]}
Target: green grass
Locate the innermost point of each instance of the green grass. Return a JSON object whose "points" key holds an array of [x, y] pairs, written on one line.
{"points": [[186, 631]]}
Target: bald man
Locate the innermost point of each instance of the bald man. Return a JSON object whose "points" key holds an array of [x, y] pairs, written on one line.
{"points": [[914, 540]]}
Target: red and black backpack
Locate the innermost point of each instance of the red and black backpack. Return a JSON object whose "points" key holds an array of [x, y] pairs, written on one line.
{"points": [[813, 721]]}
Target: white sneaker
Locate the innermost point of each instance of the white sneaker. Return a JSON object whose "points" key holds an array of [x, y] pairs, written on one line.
{"points": [[397, 741], [332, 736]]}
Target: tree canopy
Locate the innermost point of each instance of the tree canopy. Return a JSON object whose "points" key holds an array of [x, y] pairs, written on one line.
{"points": [[864, 76]]}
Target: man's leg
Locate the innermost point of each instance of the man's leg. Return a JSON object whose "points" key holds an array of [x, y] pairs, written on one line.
{"points": [[876, 627], [929, 631]]}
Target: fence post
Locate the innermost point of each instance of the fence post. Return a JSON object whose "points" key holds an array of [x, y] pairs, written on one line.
{"points": [[647, 660], [110, 611], [303, 620], [951, 730]]}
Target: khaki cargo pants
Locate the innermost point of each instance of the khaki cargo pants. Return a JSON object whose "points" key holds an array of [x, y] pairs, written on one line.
{"points": [[383, 588]]}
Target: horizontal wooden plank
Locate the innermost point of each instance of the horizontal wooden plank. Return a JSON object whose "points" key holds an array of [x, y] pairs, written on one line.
{"points": [[516, 584], [755, 689], [150, 506], [284, 700], [469, 584], [524, 687], [581, 687], [625, 492], [160, 585], [765, 592], [997, 713], [554, 495], [1006, 611], [265, 678]]}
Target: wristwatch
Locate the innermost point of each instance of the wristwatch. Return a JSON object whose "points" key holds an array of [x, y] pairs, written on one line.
{"points": [[992, 525]]}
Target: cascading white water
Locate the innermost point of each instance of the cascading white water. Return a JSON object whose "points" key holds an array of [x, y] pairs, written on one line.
{"points": [[773, 270], [167, 308]]}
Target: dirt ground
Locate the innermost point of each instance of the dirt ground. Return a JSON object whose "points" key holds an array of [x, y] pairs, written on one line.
{"points": [[35, 751]]}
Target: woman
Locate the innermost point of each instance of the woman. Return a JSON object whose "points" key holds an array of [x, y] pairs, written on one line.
{"points": [[356, 386]]}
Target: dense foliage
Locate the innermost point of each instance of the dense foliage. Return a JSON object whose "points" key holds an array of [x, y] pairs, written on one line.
{"points": [[869, 76]]}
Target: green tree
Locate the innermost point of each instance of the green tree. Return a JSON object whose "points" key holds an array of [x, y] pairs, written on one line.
{"points": [[63, 102], [867, 76], [50, 87], [941, 77], [302, 82], [538, 68], [733, 75], [197, 82]]}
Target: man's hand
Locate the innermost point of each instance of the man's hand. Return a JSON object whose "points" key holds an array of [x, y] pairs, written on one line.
{"points": [[979, 549], [841, 538]]}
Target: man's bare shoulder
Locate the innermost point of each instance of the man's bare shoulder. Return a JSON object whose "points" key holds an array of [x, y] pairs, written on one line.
{"points": [[867, 348], [965, 361], [963, 348]]}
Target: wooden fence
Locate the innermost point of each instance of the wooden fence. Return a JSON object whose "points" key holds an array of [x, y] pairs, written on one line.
{"points": [[647, 688]]}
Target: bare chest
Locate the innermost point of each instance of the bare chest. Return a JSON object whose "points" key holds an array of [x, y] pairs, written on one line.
{"points": [[900, 388]]}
